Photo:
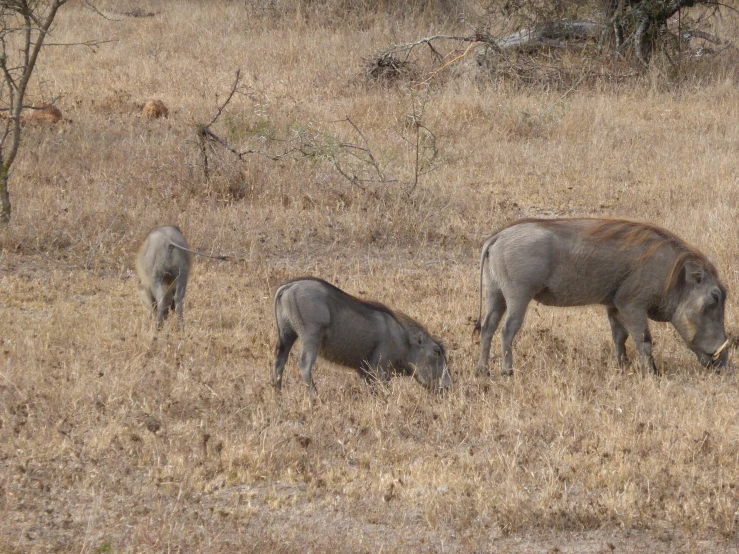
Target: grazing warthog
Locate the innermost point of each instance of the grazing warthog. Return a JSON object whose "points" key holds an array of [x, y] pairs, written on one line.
{"points": [[163, 265], [366, 336], [637, 270]]}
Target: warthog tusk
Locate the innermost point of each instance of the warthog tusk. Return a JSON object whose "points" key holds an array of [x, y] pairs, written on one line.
{"points": [[721, 348]]}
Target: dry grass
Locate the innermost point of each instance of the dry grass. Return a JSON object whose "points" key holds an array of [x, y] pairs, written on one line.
{"points": [[115, 438]]}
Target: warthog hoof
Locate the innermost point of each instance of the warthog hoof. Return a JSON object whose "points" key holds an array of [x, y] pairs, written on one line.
{"points": [[507, 372]]}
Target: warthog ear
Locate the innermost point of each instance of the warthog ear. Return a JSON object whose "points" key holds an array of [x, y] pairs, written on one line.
{"points": [[694, 273]]}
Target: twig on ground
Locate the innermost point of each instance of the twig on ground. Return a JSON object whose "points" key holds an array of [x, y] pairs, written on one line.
{"points": [[91, 6], [91, 44]]}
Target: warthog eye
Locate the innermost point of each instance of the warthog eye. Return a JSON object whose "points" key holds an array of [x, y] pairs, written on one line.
{"points": [[714, 299]]}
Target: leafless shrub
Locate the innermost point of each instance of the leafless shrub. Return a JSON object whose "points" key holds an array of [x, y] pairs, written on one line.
{"points": [[354, 160], [387, 67]]}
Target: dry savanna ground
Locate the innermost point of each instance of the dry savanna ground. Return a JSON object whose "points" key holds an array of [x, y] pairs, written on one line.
{"points": [[117, 438]]}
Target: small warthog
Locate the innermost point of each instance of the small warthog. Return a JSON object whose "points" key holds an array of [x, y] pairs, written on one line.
{"points": [[163, 265], [366, 336], [637, 270]]}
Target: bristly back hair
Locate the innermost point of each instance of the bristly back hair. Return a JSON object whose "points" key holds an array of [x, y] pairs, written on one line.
{"points": [[631, 233], [400, 317]]}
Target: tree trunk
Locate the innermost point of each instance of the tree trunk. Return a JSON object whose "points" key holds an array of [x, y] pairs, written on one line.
{"points": [[552, 33], [4, 196]]}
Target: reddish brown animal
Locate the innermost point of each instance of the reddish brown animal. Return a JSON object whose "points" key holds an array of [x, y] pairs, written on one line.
{"points": [[637, 270]]}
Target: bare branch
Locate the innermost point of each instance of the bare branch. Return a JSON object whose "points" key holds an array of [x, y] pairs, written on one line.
{"points": [[408, 47], [91, 44], [234, 88], [573, 87], [372, 160], [92, 7], [210, 135]]}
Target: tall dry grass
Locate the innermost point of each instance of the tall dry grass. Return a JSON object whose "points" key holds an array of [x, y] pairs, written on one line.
{"points": [[116, 438]]}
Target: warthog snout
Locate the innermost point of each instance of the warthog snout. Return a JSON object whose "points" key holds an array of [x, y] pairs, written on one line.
{"points": [[718, 359], [431, 369], [446, 380]]}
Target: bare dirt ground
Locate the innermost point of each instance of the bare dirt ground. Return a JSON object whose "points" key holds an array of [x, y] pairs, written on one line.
{"points": [[116, 437]]}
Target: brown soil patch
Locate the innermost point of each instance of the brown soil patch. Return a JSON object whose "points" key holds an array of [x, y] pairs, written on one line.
{"points": [[154, 109]]}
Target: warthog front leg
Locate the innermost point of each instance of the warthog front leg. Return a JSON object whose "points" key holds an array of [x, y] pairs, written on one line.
{"points": [[620, 335], [373, 370], [496, 307], [635, 323]]}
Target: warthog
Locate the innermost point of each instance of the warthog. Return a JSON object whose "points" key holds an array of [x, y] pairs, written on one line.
{"points": [[637, 270], [163, 265], [366, 336]]}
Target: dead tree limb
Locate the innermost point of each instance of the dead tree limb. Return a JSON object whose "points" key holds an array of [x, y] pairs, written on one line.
{"points": [[222, 107], [93, 45], [556, 34], [24, 27]]}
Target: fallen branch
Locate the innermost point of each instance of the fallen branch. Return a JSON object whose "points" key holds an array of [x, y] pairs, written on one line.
{"points": [[92, 7], [408, 47], [91, 44]]}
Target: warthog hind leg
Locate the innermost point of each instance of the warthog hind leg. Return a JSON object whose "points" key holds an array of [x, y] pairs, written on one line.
{"points": [[163, 294], [307, 359], [513, 322], [496, 307], [285, 340], [179, 296]]}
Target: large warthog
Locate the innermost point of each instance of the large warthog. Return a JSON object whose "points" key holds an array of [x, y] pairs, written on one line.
{"points": [[163, 266], [637, 270], [363, 335]]}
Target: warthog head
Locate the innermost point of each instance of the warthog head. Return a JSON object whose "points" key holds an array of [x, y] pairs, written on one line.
{"points": [[699, 316], [430, 367]]}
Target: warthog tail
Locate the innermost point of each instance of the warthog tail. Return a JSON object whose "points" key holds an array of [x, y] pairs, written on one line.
{"points": [[225, 258], [483, 258]]}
